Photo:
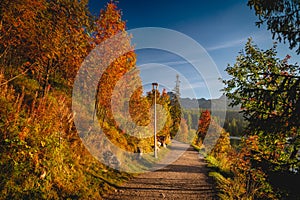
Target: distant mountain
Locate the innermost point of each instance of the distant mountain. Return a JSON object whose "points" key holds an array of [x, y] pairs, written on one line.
{"points": [[202, 103]]}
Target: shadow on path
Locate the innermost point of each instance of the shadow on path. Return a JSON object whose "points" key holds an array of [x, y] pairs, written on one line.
{"points": [[186, 178]]}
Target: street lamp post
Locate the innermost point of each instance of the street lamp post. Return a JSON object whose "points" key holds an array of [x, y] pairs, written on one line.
{"points": [[155, 87]]}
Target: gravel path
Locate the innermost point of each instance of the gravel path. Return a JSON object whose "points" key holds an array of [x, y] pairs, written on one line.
{"points": [[186, 178]]}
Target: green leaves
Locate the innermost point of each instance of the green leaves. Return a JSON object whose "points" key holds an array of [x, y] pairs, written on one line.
{"points": [[267, 89], [282, 19]]}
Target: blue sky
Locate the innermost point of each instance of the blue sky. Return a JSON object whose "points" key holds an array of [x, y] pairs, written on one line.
{"points": [[221, 27]]}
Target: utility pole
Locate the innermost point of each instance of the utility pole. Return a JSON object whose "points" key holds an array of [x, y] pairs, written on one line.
{"points": [[177, 87]]}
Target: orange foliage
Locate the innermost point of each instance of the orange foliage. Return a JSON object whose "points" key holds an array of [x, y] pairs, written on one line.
{"points": [[119, 70], [203, 125], [108, 25], [45, 35]]}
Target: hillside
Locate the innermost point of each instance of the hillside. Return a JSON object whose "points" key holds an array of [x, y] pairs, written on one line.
{"points": [[202, 103]]}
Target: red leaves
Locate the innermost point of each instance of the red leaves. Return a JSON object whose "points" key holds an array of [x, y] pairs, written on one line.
{"points": [[203, 125]]}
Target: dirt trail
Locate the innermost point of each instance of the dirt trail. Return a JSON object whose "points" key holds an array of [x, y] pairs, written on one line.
{"points": [[186, 178]]}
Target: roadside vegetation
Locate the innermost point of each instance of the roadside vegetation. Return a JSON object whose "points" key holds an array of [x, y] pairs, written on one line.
{"points": [[42, 46], [266, 164]]}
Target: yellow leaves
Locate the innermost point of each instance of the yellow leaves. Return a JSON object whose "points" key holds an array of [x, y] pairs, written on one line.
{"points": [[43, 143], [23, 134], [109, 23], [45, 33], [31, 154]]}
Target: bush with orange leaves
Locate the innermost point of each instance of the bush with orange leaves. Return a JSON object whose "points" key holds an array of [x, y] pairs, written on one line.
{"points": [[41, 155], [235, 176]]}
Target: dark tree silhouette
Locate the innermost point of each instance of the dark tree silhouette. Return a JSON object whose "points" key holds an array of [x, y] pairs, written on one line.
{"points": [[282, 18]]}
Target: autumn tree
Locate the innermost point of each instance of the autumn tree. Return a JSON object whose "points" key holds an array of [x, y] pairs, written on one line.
{"points": [[121, 69], [267, 89], [203, 125], [44, 39], [139, 108], [42, 45], [108, 25], [166, 131], [164, 120], [282, 18]]}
